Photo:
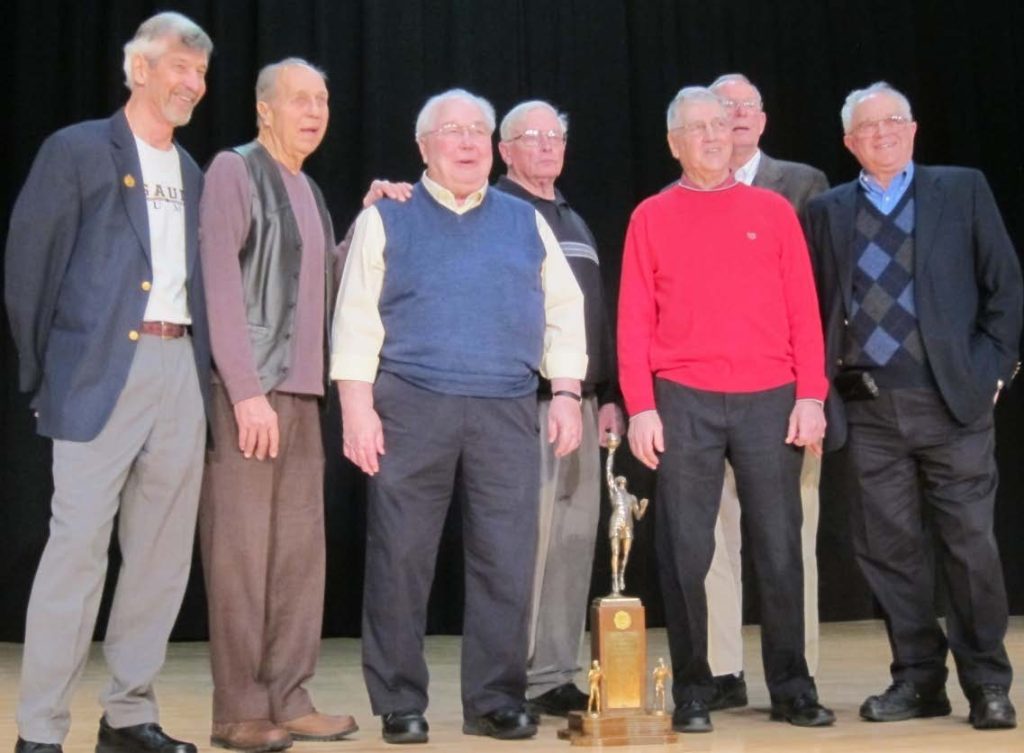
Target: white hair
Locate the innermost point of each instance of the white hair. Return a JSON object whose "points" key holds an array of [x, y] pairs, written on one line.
{"points": [[735, 78], [517, 113], [857, 96], [425, 120], [688, 94], [155, 32]]}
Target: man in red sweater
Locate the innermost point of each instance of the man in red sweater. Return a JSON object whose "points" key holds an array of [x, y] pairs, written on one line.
{"points": [[721, 357]]}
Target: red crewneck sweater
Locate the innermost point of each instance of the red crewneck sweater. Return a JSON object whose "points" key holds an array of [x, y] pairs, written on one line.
{"points": [[717, 294]]}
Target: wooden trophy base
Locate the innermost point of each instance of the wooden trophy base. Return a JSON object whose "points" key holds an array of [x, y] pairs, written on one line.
{"points": [[618, 728]]}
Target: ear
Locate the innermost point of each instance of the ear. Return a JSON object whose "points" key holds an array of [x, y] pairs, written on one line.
{"points": [[505, 150], [421, 142], [140, 69], [764, 123], [672, 146], [265, 114], [848, 143]]}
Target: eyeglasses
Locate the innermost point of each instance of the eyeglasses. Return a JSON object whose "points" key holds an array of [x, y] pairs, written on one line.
{"points": [[457, 131], [715, 127], [869, 127], [746, 104], [531, 138]]}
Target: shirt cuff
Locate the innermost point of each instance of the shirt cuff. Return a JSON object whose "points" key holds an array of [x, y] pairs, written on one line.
{"points": [[354, 368]]}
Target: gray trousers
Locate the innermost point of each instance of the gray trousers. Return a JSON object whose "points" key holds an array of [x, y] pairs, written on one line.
{"points": [[145, 466], [261, 533], [427, 437], [570, 505]]}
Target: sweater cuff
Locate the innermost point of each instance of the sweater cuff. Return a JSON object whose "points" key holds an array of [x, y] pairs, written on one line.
{"points": [[241, 387], [564, 366]]}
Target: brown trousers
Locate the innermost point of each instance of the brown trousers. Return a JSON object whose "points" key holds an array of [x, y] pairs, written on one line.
{"points": [[261, 530]]}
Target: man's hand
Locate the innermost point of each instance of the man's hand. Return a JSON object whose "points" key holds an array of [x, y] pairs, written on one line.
{"points": [[257, 427], [362, 433], [609, 419], [646, 437], [385, 189], [806, 425], [565, 422]]}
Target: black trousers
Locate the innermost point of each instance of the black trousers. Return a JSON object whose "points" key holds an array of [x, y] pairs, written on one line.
{"points": [[702, 429], [427, 437], [913, 461]]}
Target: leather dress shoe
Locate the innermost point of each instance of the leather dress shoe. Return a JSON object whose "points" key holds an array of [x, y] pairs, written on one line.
{"points": [[730, 692], [991, 708], [512, 723], [253, 736], [559, 701], [905, 700], [692, 716], [404, 727], [27, 746], [317, 727], [803, 711], [138, 738]]}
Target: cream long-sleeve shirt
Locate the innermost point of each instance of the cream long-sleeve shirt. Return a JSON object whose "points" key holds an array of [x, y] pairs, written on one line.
{"points": [[357, 332]]}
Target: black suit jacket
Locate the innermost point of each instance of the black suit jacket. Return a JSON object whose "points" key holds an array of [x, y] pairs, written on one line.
{"points": [[967, 286], [77, 257]]}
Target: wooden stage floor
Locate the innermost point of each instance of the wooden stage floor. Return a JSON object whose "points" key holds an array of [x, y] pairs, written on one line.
{"points": [[854, 664]]}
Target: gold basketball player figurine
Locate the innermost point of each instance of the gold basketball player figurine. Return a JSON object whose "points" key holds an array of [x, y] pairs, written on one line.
{"points": [[624, 509], [594, 678], [660, 674]]}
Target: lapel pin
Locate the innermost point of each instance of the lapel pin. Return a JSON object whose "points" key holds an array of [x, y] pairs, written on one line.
{"points": [[129, 181]]}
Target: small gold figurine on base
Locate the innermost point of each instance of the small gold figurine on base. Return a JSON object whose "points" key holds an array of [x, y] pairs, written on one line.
{"points": [[625, 508], [660, 674], [594, 678]]}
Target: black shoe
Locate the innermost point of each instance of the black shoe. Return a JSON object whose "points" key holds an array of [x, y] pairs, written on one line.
{"points": [[559, 701], [511, 723], [138, 738], [803, 711], [904, 700], [991, 708], [692, 716], [730, 693], [404, 727], [27, 746]]}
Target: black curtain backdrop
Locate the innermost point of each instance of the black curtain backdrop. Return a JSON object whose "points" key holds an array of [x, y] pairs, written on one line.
{"points": [[613, 65]]}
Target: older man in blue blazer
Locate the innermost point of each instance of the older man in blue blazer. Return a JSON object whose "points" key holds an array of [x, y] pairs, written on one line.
{"points": [[921, 297], [106, 307]]}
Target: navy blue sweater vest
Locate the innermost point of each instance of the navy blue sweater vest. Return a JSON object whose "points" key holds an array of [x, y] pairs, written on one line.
{"points": [[462, 301]]}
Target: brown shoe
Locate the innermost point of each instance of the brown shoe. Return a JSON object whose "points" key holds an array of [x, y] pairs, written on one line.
{"points": [[252, 736], [319, 727]]}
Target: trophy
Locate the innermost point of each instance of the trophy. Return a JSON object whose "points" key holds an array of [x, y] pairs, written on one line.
{"points": [[617, 713]]}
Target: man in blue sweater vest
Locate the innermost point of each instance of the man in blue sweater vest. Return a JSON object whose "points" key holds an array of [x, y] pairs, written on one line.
{"points": [[450, 306]]}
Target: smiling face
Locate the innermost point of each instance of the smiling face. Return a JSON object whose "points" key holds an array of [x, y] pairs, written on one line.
{"points": [[743, 105], [702, 141], [171, 85], [881, 136], [295, 114], [457, 147]]}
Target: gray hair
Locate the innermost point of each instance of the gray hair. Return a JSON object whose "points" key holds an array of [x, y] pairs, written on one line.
{"points": [[735, 78], [150, 40], [425, 120], [857, 96], [517, 113], [266, 81], [688, 94]]}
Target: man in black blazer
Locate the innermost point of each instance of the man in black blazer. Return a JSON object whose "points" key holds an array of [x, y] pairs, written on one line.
{"points": [[105, 297], [921, 299], [797, 182]]}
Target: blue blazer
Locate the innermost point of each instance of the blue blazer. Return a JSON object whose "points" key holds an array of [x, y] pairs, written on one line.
{"points": [[967, 287], [77, 255]]}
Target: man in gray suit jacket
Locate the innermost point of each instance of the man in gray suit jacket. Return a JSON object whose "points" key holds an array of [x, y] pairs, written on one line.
{"points": [[724, 586], [105, 298]]}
